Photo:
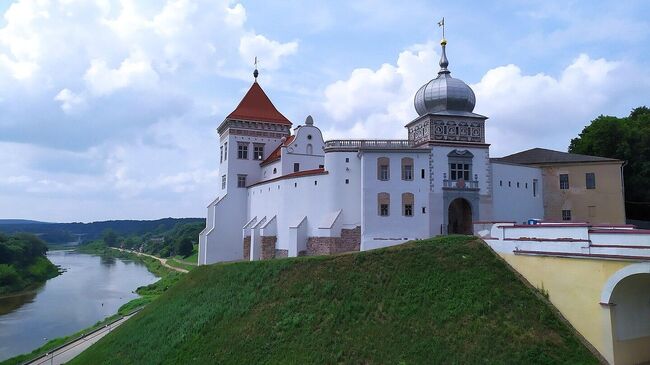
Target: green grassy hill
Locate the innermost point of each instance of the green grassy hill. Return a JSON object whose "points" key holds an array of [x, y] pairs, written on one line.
{"points": [[447, 300]]}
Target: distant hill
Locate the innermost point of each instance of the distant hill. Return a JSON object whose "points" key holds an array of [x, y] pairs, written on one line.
{"points": [[57, 233], [447, 300], [19, 221]]}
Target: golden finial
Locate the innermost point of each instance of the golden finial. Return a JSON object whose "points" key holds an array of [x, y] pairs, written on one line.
{"points": [[442, 24]]}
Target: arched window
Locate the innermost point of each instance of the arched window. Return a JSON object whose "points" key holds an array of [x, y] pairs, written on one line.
{"points": [[383, 168], [408, 201], [310, 149], [383, 204], [407, 168]]}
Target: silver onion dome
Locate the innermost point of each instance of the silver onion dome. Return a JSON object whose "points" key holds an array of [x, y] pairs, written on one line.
{"points": [[444, 93]]}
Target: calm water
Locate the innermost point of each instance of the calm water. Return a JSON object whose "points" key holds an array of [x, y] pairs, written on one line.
{"points": [[91, 289]]}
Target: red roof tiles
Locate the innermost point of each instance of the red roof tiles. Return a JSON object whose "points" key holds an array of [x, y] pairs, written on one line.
{"points": [[276, 154], [256, 106]]}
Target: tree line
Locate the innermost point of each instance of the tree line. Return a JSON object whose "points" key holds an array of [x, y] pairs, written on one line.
{"points": [[23, 262]]}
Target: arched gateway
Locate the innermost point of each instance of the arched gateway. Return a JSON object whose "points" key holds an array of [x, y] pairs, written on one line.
{"points": [[460, 217]]}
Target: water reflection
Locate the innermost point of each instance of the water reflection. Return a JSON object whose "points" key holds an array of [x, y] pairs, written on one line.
{"points": [[91, 289]]}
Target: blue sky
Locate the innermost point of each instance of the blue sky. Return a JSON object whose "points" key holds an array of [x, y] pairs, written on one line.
{"points": [[108, 108]]}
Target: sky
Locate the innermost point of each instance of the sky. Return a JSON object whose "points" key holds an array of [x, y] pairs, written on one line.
{"points": [[109, 108]]}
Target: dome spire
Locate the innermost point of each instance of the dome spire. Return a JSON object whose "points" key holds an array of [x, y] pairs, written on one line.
{"points": [[444, 62]]}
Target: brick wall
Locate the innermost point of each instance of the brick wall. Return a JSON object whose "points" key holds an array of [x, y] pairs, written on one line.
{"points": [[350, 240], [268, 247], [247, 248]]}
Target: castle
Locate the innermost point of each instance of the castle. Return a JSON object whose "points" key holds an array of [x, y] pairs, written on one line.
{"points": [[284, 191]]}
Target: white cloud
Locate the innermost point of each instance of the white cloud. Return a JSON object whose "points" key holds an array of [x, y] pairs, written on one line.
{"points": [[69, 100], [268, 52], [135, 70], [524, 111]]}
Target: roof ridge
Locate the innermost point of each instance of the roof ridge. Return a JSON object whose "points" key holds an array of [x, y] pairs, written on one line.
{"points": [[256, 106]]}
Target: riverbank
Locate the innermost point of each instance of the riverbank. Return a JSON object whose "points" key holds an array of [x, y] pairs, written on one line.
{"points": [[23, 264], [147, 294]]}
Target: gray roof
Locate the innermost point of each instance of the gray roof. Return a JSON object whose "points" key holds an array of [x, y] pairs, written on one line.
{"points": [[540, 156]]}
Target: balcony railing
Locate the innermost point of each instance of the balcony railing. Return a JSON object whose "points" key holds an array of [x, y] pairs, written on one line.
{"points": [[460, 184], [355, 144]]}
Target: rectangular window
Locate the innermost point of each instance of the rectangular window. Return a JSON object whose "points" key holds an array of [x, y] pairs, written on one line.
{"points": [[424, 210], [223, 182], [347, 159], [383, 172], [422, 173], [221, 154], [347, 181], [459, 171], [241, 181], [321, 166], [564, 181], [592, 211], [407, 172], [242, 151], [500, 182], [566, 215], [383, 210], [591, 180], [534, 187], [225, 151], [258, 152], [408, 210], [296, 167]]}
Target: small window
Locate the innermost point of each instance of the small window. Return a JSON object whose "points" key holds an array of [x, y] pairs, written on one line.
{"points": [[534, 187], [526, 185], [258, 152], [347, 160], [242, 151], [383, 168], [347, 181], [315, 182], [295, 185], [424, 210], [517, 184], [566, 215], [225, 151], [591, 180], [422, 173], [221, 154], [509, 184], [309, 136], [241, 181], [407, 204], [321, 166], [223, 182], [564, 181], [500, 182], [383, 203], [296, 167], [407, 169], [275, 170]]}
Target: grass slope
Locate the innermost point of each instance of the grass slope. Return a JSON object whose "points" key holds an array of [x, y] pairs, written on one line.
{"points": [[447, 300]]}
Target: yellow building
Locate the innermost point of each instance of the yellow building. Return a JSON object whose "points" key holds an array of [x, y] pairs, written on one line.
{"points": [[577, 188]]}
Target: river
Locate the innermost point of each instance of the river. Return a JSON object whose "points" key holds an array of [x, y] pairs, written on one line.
{"points": [[91, 289]]}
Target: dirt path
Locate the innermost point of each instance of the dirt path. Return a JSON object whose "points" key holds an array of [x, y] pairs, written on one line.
{"points": [[162, 261]]}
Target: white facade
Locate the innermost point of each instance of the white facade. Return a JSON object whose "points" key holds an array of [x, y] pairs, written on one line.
{"points": [[292, 193]]}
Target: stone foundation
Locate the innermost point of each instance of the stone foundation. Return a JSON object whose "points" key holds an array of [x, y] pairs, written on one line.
{"points": [[268, 247], [350, 240], [281, 253], [247, 248]]}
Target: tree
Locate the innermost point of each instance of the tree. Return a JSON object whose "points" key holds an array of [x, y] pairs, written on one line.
{"points": [[626, 139], [109, 237], [184, 246]]}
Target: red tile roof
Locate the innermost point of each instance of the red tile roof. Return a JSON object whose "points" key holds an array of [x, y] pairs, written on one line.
{"points": [[256, 106], [276, 154], [320, 171]]}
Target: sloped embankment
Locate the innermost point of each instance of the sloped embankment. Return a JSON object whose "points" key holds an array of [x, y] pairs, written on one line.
{"points": [[444, 300]]}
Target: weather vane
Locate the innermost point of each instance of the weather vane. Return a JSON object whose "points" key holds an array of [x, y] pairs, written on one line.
{"points": [[442, 24], [255, 73]]}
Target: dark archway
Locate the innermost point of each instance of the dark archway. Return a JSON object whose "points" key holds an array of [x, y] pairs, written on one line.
{"points": [[459, 217], [630, 315]]}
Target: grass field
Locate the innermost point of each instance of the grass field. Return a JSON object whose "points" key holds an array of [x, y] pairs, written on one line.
{"points": [[441, 301]]}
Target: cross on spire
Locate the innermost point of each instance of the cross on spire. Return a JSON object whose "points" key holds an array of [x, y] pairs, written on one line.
{"points": [[442, 24]]}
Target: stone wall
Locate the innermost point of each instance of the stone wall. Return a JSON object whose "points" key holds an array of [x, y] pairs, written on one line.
{"points": [[350, 240], [268, 247], [281, 253], [247, 248]]}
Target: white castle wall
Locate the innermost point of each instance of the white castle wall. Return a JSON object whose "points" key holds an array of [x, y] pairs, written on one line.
{"points": [[378, 231], [512, 193]]}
